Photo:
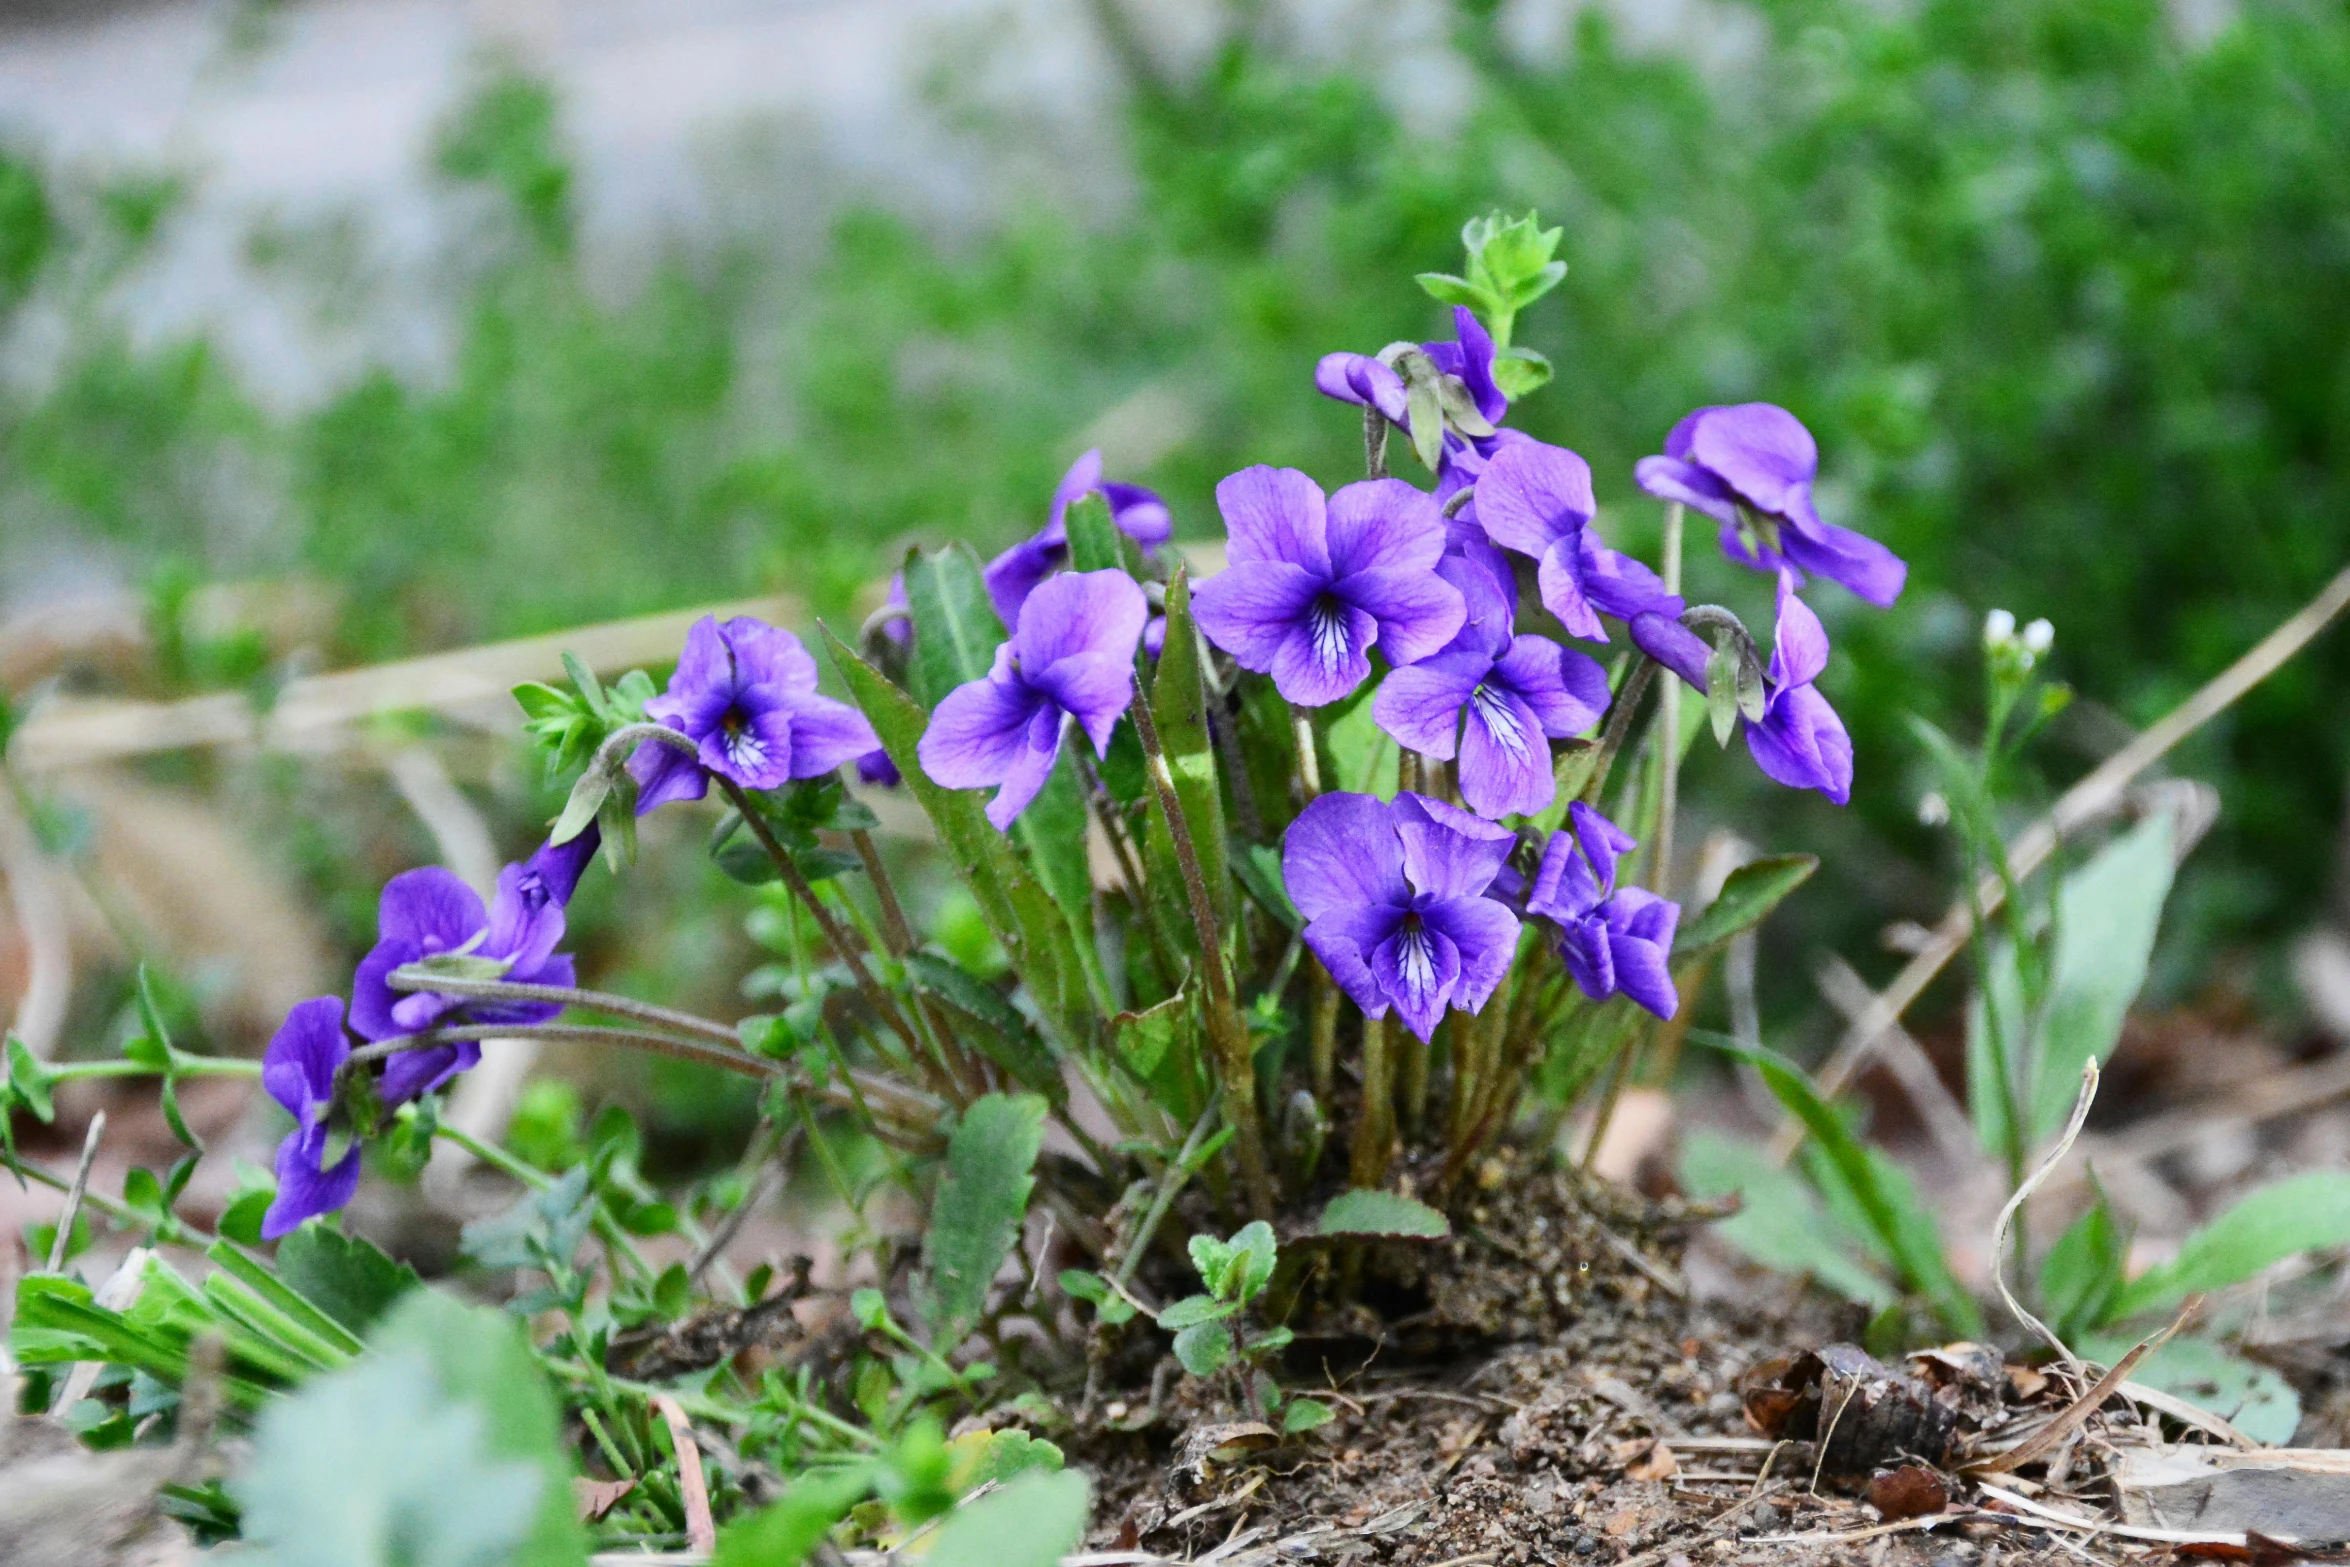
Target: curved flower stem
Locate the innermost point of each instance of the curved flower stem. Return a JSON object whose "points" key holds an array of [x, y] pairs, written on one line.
{"points": [[416, 977], [1235, 1062], [884, 1007], [1619, 723], [906, 1114], [893, 913]]}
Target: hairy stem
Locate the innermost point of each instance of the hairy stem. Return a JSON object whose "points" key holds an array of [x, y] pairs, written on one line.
{"points": [[1235, 1062], [415, 976], [1375, 1117], [849, 952], [1668, 726]]}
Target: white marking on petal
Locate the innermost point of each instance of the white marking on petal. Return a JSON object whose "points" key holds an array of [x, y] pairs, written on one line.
{"points": [[1326, 620], [1415, 959], [1499, 721]]}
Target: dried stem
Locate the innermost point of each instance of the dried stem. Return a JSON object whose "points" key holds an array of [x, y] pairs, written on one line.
{"points": [[61, 1246], [1235, 1062]]}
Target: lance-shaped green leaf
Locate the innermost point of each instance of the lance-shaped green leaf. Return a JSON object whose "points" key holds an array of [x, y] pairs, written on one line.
{"points": [[1748, 896], [1880, 1191], [1389, 1215], [956, 628], [1095, 544], [1018, 913], [1780, 1222], [976, 1217], [1179, 705], [2301, 1213], [1002, 1034]]}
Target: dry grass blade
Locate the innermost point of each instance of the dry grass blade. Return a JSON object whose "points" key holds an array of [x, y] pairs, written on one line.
{"points": [[701, 1531], [61, 1246], [2080, 1409], [2022, 1194]]}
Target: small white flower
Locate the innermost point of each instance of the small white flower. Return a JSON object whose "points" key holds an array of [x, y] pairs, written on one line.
{"points": [[1998, 629], [2039, 636], [1933, 810]]}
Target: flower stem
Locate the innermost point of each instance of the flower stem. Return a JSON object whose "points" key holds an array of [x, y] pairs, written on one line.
{"points": [[1309, 763], [1668, 725], [1619, 723], [842, 947], [1179, 1171], [893, 913], [417, 977], [1235, 1062], [1374, 1118]]}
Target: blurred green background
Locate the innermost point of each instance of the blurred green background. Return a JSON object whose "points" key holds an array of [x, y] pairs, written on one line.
{"points": [[2062, 286]]}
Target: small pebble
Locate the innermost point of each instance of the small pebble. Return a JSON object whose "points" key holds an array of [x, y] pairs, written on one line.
{"points": [[1764, 1519]]}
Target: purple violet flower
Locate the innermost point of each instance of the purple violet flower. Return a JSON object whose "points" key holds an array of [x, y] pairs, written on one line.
{"points": [[1366, 380], [1139, 514], [1799, 741], [1394, 896], [1071, 657], [1311, 585], [1511, 690], [428, 912], [299, 1071], [1750, 467], [1612, 938], [875, 768], [745, 693], [1536, 500], [552, 873]]}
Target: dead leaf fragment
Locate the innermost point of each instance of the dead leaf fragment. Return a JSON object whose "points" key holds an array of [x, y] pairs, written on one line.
{"points": [[1865, 1415], [1912, 1491], [595, 1498], [1658, 1463]]}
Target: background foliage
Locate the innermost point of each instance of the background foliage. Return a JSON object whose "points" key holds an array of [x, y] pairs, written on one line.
{"points": [[2063, 293]]}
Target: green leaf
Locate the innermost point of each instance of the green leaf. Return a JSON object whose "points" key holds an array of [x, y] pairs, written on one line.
{"points": [[1518, 370], [1446, 289], [1053, 829], [1163, 1047], [2107, 913], [1015, 908], [1003, 1035], [1780, 1222], [1303, 1415], [956, 629], [1111, 1307], [241, 1220], [1747, 898], [2300, 1213], [1095, 544], [2252, 1398], [1252, 1254], [1364, 758], [441, 1447], [1033, 1520], [2083, 1271], [30, 1080], [1204, 1348], [1385, 1214], [1879, 1189], [984, 1456], [1192, 1310], [1178, 700], [783, 1535], [1258, 865], [975, 1219], [346, 1276]]}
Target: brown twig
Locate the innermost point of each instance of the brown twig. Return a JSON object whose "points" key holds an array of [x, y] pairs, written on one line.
{"points": [[59, 1248]]}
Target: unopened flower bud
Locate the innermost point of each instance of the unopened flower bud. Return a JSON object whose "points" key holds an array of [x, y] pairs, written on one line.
{"points": [[1933, 809], [1998, 629], [2039, 636]]}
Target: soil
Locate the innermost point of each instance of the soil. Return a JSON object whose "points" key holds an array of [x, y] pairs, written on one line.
{"points": [[1551, 1394]]}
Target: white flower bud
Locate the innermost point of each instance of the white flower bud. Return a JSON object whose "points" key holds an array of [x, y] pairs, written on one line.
{"points": [[1933, 810], [1998, 629], [2039, 636]]}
